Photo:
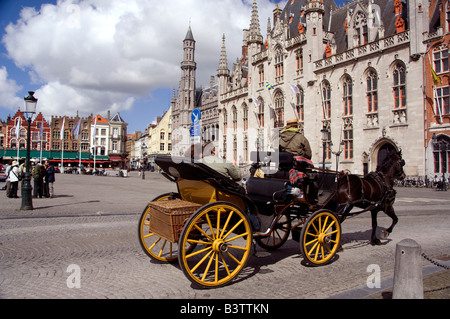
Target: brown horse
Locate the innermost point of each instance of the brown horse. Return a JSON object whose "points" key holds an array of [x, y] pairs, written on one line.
{"points": [[373, 193]]}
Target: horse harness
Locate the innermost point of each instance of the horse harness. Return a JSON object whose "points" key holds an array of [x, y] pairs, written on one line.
{"points": [[388, 196]]}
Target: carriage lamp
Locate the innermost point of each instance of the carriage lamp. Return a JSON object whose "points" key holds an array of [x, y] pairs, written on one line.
{"points": [[30, 109], [442, 147]]}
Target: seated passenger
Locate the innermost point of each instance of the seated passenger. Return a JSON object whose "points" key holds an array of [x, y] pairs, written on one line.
{"points": [[220, 165], [292, 141]]}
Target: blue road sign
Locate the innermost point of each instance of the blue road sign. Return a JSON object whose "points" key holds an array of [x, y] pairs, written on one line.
{"points": [[196, 116], [195, 130]]}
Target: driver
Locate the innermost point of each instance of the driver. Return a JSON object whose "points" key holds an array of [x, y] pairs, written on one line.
{"points": [[292, 141]]}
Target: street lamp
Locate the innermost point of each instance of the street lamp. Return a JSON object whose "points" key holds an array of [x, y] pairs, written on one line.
{"points": [[442, 147], [30, 109], [325, 136]]}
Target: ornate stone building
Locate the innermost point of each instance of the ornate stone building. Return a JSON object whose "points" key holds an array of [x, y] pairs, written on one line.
{"points": [[356, 70]]}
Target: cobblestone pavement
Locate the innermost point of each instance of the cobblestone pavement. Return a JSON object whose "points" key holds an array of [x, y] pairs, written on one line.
{"points": [[91, 227]]}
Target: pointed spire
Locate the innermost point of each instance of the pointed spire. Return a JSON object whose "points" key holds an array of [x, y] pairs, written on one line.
{"points": [[189, 35], [255, 32], [174, 98], [223, 64]]}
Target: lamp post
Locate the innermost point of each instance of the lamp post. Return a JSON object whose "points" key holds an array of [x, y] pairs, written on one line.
{"points": [[338, 154], [30, 109], [324, 132], [442, 147]]}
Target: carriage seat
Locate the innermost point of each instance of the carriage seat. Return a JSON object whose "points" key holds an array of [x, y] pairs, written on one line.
{"points": [[266, 190]]}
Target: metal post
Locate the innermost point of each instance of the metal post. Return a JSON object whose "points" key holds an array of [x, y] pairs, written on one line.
{"points": [[27, 201], [443, 153]]}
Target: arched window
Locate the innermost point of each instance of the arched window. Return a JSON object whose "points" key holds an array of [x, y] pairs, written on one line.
{"points": [[348, 139], [326, 100], [441, 153], [260, 114], [245, 117], [399, 86], [347, 96], [360, 25], [279, 69], [279, 110], [235, 117], [372, 92], [225, 121], [300, 105]]}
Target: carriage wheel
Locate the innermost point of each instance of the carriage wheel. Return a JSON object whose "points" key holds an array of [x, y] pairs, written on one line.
{"points": [[223, 237], [279, 234], [153, 245], [320, 237]]}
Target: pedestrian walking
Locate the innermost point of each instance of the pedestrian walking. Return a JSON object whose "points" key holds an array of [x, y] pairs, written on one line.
{"points": [[14, 177], [49, 179]]}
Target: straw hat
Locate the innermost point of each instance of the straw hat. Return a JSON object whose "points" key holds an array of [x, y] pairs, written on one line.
{"points": [[15, 163], [292, 123]]}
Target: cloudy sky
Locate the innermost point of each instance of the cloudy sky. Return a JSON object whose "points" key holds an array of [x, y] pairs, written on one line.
{"points": [[92, 56]]}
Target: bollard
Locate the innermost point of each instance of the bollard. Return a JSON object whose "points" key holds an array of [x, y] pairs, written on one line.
{"points": [[143, 174], [408, 281]]}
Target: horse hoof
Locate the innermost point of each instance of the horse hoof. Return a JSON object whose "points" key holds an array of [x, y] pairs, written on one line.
{"points": [[375, 242], [384, 234]]}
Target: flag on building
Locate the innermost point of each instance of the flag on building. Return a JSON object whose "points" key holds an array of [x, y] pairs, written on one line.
{"points": [[61, 133], [435, 77], [18, 128], [41, 131], [94, 133], [76, 130], [294, 88], [256, 102], [269, 86]]}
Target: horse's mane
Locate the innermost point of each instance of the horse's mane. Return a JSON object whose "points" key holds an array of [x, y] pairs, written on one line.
{"points": [[387, 162]]}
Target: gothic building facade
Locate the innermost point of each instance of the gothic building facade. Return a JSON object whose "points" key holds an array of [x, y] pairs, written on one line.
{"points": [[355, 70]]}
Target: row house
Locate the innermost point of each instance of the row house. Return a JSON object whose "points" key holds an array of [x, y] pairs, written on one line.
{"points": [[437, 89], [156, 139], [160, 135], [13, 141], [67, 140]]}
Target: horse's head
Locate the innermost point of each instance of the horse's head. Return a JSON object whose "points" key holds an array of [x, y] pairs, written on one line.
{"points": [[397, 163], [392, 166]]}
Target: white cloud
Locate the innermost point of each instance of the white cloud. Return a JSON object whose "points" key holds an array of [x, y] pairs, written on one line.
{"points": [[93, 55], [8, 91]]}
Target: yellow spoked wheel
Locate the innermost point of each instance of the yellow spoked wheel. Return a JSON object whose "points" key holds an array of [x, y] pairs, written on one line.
{"points": [[278, 236], [153, 245], [223, 239], [320, 237]]}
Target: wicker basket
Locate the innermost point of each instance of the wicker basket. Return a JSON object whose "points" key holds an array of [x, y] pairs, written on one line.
{"points": [[167, 218]]}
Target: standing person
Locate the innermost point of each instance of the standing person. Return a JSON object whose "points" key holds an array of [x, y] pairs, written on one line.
{"points": [[39, 173], [13, 177], [292, 141], [8, 182], [50, 178]]}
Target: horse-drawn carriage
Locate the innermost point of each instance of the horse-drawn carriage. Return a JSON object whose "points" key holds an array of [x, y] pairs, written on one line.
{"points": [[210, 223]]}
